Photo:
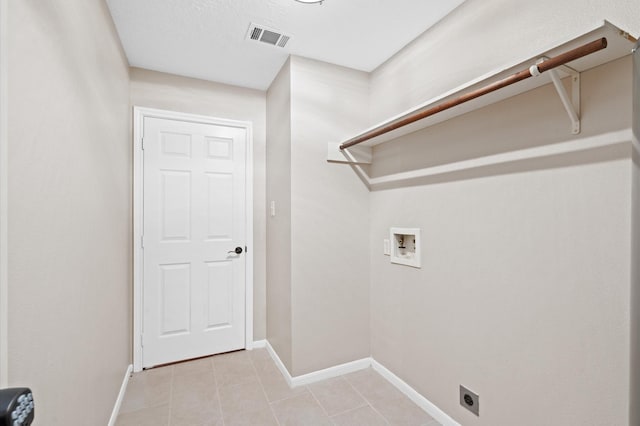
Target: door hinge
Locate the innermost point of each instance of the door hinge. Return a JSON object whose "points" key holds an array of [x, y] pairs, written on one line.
{"points": [[142, 143], [142, 340], [142, 241]]}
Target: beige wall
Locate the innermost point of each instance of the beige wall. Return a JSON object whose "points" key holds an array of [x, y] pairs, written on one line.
{"points": [[169, 92], [318, 262], [69, 209], [523, 295], [329, 219], [480, 36], [279, 226], [526, 279]]}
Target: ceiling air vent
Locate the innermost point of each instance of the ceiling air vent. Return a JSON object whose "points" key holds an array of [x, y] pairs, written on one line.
{"points": [[267, 35]]}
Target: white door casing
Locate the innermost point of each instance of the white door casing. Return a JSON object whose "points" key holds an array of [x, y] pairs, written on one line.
{"points": [[191, 210]]}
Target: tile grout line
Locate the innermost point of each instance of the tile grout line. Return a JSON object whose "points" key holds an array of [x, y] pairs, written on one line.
{"points": [[215, 379], [173, 375], [319, 403], [145, 406], [354, 409], [255, 370], [343, 411], [289, 397], [228, 386], [350, 409], [351, 386], [368, 402]]}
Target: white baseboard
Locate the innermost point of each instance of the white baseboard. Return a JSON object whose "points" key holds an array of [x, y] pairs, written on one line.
{"points": [[413, 395], [360, 364], [279, 363], [319, 375], [259, 344], [123, 389], [335, 371]]}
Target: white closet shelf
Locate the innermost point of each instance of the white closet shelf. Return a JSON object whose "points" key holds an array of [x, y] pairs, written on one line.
{"points": [[619, 44]]}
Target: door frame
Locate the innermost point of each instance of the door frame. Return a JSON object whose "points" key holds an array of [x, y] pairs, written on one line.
{"points": [[139, 114], [4, 147]]}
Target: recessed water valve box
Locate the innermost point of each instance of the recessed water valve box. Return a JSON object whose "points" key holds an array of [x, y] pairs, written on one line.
{"points": [[405, 246], [470, 400]]}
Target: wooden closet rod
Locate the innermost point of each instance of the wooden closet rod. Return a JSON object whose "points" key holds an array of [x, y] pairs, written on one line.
{"points": [[534, 70]]}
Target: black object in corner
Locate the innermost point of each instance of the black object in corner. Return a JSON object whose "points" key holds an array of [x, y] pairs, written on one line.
{"points": [[16, 407]]}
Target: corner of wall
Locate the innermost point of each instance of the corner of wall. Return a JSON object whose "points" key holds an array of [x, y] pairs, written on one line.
{"points": [[278, 223], [329, 219], [634, 385]]}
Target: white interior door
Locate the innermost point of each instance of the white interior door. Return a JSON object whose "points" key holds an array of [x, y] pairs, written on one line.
{"points": [[193, 220]]}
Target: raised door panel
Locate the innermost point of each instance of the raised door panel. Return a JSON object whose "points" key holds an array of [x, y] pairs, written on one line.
{"points": [[175, 299], [175, 205], [219, 206], [219, 294]]}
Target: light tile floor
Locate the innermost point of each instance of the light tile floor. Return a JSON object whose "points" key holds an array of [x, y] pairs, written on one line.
{"points": [[246, 388]]}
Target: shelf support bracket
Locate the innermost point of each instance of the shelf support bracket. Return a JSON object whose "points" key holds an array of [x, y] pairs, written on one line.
{"points": [[571, 103], [353, 155]]}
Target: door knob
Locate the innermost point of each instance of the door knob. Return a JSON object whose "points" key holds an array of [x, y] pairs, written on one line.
{"points": [[238, 250]]}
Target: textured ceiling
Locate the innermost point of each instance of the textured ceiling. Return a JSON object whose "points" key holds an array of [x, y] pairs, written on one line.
{"points": [[206, 38]]}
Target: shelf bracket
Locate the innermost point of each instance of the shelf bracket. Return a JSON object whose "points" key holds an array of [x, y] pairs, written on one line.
{"points": [[353, 155], [571, 103]]}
